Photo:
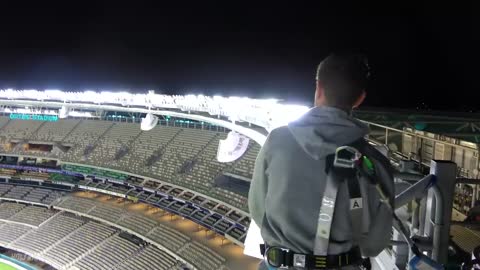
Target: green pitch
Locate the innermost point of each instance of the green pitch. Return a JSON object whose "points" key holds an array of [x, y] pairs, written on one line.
{"points": [[4, 266]]}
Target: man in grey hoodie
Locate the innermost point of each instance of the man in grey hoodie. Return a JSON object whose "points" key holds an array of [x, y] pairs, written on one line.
{"points": [[290, 174]]}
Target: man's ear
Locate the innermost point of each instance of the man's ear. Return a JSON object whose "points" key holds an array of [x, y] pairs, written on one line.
{"points": [[319, 95], [360, 99]]}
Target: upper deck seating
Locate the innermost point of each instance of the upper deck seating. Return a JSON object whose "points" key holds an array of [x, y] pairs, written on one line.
{"points": [[55, 131], [19, 130]]}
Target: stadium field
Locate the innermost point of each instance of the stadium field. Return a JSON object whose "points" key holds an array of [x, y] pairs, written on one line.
{"points": [[7, 263], [4, 266]]}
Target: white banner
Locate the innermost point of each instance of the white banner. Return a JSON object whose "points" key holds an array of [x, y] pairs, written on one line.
{"points": [[232, 148]]}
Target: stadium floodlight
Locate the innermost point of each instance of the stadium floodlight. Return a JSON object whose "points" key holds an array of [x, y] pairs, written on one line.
{"points": [[149, 122], [54, 94], [266, 113]]}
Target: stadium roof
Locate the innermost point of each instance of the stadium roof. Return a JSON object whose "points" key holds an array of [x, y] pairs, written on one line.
{"points": [[222, 111]]}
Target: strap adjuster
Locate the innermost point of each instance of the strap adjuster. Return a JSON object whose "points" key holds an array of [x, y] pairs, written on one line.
{"points": [[299, 260]]}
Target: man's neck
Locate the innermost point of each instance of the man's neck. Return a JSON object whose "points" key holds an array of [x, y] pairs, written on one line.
{"points": [[346, 110]]}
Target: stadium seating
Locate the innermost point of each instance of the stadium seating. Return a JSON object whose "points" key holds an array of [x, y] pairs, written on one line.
{"points": [[137, 223], [179, 146], [120, 134], [55, 131], [77, 204], [150, 258], [146, 145], [232, 198], [70, 242], [4, 189], [105, 212], [170, 238], [10, 232], [32, 215], [202, 257], [18, 192], [8, 209], [82, 241], [66, 240], [184, 147], [3, 121], [19, 130], [37, 195], [110, 254], [180, 155], [55, 229], [166, 236], [85, 134], [244, 166], [52, 196]]}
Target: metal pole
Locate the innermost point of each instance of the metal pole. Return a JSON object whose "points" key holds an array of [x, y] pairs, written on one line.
{"points": [[422, 216], [415, 191], [439, 207], [386, 136]]}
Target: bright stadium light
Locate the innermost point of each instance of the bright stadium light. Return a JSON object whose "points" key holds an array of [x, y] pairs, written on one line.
{"points": [[266, 113]]}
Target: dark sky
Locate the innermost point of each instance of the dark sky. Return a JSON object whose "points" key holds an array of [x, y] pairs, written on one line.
{"points": [[258, 50]]}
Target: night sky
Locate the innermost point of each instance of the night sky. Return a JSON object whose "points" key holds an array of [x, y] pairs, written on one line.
{"points": [[257, 50]]}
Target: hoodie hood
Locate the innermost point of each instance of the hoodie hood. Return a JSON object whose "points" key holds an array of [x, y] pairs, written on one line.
{"points": [[322, 129]]}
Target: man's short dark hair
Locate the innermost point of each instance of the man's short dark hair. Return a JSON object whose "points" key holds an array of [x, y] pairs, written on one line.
{"points": [[343, 77]]}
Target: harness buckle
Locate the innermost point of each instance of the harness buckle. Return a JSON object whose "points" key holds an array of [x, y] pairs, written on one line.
{"points": [[276, 257], [346, 157]]}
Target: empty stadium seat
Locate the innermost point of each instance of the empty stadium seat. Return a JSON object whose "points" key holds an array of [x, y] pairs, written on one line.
{"points": [[32, 215], [55, 229]]}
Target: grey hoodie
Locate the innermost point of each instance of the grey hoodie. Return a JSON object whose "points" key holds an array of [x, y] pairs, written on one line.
{"points": [[289, 180]]}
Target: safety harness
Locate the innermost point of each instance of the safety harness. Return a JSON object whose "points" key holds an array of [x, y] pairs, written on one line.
{"points": [[342, 166]]}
